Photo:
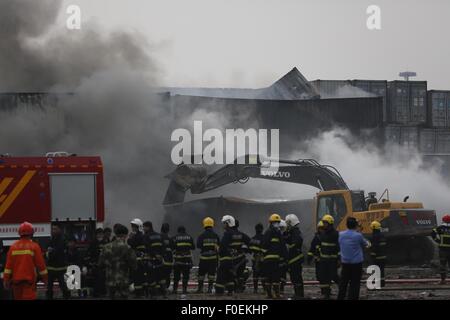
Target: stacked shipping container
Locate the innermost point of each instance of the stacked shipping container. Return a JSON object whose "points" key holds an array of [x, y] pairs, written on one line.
{"points": [[439, 109], [375, 87], [407, 102]]}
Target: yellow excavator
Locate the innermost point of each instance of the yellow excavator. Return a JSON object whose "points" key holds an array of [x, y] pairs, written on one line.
{"points": [[406, 225]]}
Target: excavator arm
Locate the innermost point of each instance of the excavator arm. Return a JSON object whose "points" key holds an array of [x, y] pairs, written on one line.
{"points": [[196, 179]]}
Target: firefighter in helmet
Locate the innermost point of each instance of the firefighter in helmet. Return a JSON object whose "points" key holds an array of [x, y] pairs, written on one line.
{"points": [[314, 251], [274, 248], [24, 257], [329, 255], [295, 260], [257, 256], [378, 248], [208, 243], [225, 278], [441, 235], [136, 241]]}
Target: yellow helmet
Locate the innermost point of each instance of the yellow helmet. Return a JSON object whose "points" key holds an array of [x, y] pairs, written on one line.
{"points": [[275, 218], [375, 225], [328, 218], [320, 224], [208, 222]]}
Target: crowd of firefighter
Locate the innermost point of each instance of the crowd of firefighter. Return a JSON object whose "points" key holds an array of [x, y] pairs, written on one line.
{"points": [[143, 262]]}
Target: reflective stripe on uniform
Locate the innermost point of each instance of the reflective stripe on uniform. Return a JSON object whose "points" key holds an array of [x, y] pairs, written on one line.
{"points": [[224, 258], [140, 247], [272, 256], [255, 248], [295, 259], [274, 240], [328, 255], [8, 271], [291, 245], [328, 244], [156, 244], [43, 272], [183, 244], [49, 268], [208, 257], [22, 252]]}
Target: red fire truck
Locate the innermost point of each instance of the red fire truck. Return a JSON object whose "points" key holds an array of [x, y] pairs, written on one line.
{"points": [[59, 187]]}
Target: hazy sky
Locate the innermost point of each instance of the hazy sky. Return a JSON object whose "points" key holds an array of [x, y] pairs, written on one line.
{"points": [[251, 43]]}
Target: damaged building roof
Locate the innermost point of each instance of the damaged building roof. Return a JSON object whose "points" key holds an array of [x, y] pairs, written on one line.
{"points": [[292, 86]]}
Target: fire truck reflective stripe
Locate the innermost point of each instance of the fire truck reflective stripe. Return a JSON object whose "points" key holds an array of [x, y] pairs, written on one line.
{"points": [[4, 184], [16, 191], [73, 166], [61, 166], [7, 271], [22, 252], [43, 272]]}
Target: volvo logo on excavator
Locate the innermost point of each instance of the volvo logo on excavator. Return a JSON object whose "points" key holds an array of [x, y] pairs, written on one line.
{"points": [[276, 174]]}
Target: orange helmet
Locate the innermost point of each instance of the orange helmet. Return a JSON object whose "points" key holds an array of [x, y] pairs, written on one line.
{"points": [[446, 218], [26, 229]]}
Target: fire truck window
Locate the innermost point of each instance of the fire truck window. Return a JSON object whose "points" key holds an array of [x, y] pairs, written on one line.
{"points": [[73, 196]]}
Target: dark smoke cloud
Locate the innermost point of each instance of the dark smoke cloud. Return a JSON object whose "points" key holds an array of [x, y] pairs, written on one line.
{"points": [[112, 111], [31, 62]]}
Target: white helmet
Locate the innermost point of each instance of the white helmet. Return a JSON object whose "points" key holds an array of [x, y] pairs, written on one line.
{"points": [[138, 222], [282, 224], [229, 220], [292, 220]]}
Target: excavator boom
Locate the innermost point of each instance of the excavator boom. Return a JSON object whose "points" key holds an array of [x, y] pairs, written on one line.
{"points": [[306, 171]]}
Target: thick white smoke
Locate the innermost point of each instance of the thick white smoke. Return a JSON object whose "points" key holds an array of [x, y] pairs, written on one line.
{"points": [[370, 168]]}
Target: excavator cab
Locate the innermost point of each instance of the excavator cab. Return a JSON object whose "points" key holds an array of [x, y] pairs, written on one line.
{"points": [[339, 204]]}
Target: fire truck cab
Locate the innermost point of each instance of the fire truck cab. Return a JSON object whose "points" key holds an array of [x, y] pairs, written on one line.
{"points": [[58, 187]]}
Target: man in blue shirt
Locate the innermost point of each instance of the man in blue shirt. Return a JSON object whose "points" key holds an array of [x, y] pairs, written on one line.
{"points": [[352, 244]]}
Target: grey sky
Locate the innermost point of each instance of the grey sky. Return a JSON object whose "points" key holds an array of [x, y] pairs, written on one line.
{"points": [[250, 43]]}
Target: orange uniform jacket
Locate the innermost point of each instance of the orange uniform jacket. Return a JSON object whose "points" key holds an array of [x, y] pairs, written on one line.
{"points": [[24, 256]]}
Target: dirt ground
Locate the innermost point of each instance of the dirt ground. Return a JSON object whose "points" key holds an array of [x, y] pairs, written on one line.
{"points": [[401, 284]]}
